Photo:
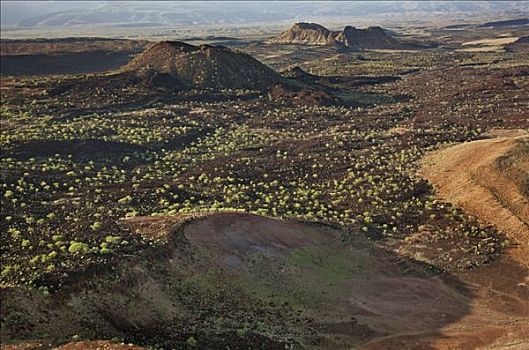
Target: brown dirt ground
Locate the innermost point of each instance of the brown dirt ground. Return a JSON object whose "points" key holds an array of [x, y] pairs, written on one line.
{"points": [[379, 296], [467, 175], [98, 345], [80, 345], [393, 303], [306, 264]]}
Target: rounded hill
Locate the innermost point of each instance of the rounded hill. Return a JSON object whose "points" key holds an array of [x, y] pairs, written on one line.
{"points": [[205, 66]]}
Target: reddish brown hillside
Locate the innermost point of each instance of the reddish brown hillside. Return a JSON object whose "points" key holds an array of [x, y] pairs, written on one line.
{"points": [[205, 66], [370, 38], [306, 33], [350, 37]]}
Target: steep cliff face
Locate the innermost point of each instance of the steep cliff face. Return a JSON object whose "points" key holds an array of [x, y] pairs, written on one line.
{"points": [[351, 37], [369, 38], [306, 33]]}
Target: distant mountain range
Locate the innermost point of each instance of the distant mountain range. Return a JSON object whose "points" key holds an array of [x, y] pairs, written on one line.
{"points": [[29, 14]]}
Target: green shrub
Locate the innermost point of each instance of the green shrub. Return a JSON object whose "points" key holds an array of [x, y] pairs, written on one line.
{"points": [[113, 239], [191, 342], [78, 247]]}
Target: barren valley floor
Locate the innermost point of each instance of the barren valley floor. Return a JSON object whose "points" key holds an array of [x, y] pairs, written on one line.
{"points": [[270, 194]]}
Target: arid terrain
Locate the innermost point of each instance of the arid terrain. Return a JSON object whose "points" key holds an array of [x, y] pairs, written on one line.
{"points": [[305, 188]]}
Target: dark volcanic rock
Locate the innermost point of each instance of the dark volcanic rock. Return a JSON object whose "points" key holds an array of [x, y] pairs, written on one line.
{"points": [[507, 23], [205, 66], [370, 38], [169, 67], [303, 96], [520, 45], [145, 79], [297, 73]]}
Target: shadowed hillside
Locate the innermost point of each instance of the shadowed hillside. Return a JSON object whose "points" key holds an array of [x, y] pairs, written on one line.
{"points": [[205, 66]]}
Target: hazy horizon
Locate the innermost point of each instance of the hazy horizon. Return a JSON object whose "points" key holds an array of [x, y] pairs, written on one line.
{"points": [[71, 14]]}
